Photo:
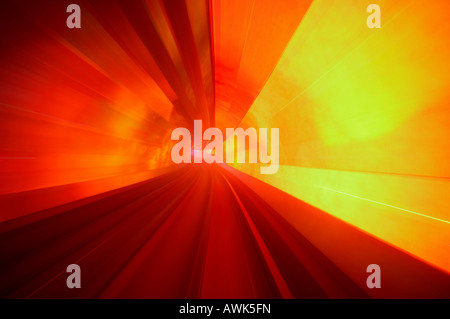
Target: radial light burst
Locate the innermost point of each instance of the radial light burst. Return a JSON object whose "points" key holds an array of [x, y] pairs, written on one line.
{"points": [[86, 117]]}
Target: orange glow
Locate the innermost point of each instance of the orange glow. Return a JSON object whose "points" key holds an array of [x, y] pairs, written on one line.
{"points": [[87, 174], [363, 117]]}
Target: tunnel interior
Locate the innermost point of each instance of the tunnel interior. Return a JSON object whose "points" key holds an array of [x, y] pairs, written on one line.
{"points": [[87, 177]]}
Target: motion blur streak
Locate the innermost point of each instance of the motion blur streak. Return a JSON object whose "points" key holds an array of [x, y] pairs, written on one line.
{"points": [[86, 174]]}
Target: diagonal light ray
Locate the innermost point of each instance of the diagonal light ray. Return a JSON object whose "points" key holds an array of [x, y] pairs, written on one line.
{"points": [[343, 59], [384, 204]]}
